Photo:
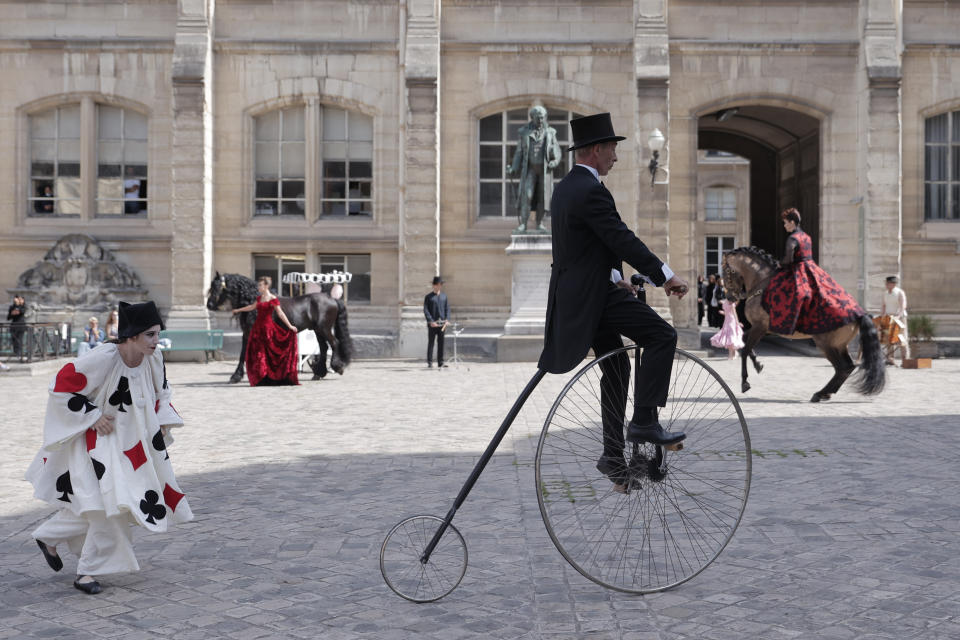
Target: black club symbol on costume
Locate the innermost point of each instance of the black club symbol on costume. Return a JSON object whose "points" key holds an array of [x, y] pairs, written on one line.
{"points": [[159, 444], [151, 509], [121, 396], [64, 486], [79, 402]]}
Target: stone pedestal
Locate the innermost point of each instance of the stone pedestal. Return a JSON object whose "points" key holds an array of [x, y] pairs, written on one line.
{"points": [[531, 256]]}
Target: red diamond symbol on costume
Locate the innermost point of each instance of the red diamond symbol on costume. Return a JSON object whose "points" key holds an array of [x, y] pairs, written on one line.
{"points": [[136, 455], [171, 497], [91, 439], [70, 380]]}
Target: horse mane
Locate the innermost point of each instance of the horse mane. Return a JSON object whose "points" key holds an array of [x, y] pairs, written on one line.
{"points": [[758, 254], [241, 289]]}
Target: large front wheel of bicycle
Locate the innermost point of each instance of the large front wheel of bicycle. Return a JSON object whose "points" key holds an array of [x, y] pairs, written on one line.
{"points": [[666, 515]]}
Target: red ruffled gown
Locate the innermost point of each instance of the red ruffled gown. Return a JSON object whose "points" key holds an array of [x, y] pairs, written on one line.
{"points": [[271, 349], [803, 298]]}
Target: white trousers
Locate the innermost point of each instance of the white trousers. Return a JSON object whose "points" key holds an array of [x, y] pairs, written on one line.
{"points": [[104, 545]]}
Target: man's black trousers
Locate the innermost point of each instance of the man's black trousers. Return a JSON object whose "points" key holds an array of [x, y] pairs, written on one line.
{"points": [[625, 315], [435, 332]]}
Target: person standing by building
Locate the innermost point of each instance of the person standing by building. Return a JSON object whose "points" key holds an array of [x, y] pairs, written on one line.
{"points": [[701, 292], [436, 309], [104, 462], [17, 317], [893, 315], [113, 326]]}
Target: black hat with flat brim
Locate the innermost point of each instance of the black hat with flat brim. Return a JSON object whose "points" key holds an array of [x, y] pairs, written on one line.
{"points": [[593, 129], [134, 319]]}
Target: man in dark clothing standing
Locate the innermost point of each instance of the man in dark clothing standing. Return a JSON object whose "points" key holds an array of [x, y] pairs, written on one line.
{"points": [[587, 307], [436, 310], [16, 315]]}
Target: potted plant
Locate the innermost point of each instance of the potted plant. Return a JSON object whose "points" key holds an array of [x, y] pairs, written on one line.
{"points": [[922, 329]]}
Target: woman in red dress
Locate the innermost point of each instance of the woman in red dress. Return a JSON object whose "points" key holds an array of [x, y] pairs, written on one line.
{"points": [[802, 297], [271, 356]]}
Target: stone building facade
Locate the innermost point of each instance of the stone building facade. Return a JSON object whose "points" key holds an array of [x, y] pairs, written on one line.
{"points": [[265, 136]]}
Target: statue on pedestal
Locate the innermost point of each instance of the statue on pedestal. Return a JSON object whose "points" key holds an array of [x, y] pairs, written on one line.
{"points": [[538, 153]]}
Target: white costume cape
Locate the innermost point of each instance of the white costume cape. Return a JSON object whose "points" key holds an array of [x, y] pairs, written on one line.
{"points": [[127, 472]]}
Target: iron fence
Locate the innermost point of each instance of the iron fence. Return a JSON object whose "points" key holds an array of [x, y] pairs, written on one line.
{"points": [[31, 341]]}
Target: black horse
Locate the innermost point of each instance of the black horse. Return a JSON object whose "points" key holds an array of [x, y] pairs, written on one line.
{"points": [[326, 316]]}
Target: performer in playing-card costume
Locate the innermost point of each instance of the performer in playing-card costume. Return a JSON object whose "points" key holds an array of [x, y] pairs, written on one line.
{"points": [[104, 458], [802, 297], [271, 356]]}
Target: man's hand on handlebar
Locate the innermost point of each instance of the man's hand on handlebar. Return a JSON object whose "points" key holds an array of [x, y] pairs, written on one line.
{"points": [[676, 286]]}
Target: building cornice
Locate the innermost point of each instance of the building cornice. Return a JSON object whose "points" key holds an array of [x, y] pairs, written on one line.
{"points": [[156, 45]]}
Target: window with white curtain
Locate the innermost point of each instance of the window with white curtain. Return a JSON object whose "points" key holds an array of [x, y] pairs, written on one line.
{"points": [[121, 161], [55, 162], [280, 157], [720, 203]]}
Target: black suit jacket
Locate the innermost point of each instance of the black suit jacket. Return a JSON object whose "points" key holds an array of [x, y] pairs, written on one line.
{"points": [[435, 307], [589, 239]]}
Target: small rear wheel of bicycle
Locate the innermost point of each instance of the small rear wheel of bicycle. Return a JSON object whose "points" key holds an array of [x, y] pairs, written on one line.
{"points": [[665, 515], [408, 573]]}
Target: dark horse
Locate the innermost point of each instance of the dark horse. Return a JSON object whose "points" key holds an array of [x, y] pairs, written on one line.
{"points": [[746, 274], [317, 311]]}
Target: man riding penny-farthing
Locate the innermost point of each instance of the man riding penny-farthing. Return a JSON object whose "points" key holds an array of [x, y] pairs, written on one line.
{"points": [[636, 505]]}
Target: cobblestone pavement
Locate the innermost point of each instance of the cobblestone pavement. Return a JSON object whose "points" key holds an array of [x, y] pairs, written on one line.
{"points": [[851, 530]]}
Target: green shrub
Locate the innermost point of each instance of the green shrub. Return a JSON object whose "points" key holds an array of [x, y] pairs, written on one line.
{"points": [[921, 327]]}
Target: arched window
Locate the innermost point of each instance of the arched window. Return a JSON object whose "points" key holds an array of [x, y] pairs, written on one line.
{"points": [[941, 178], [343, 147], [118, 139], [498, 143], [720, 203]]}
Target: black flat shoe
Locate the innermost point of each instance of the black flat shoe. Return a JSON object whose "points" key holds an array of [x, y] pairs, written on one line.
{"points": [[91, 588], [654, 434], [54, 561], [615, 468]]}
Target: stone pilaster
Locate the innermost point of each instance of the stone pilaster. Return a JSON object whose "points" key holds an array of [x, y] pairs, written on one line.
{"points": [[420, 170], [880, 148], [191, 163], [670, 239]]}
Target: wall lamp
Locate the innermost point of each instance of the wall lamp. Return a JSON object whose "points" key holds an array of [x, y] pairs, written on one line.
{"points": [[655, 141]]}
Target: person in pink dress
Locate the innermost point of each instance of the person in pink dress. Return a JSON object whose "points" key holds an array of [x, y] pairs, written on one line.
{"points": [[730, 336], [271, 356]]}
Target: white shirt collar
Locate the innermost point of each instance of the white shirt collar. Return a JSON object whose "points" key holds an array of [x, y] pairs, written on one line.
{"points": [[596, 174]]}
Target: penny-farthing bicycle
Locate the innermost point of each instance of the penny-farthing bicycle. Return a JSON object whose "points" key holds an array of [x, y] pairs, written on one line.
{"points": [[657, 525]]}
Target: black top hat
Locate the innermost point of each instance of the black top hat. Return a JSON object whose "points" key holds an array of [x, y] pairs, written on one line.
{"points": [[437, 280], [134, 319], [593, 129]]}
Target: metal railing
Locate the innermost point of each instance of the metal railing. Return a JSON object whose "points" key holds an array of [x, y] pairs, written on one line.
{"points": [[31, 341]]}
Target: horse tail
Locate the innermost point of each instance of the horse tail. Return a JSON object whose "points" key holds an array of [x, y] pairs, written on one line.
{"points": [[873, 371], [342, 332]]}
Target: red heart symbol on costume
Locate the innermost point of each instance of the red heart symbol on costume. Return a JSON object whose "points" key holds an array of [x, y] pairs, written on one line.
{"points": [[70, 380]]}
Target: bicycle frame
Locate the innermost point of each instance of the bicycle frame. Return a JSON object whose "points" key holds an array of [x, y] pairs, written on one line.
{"points": [[482, 462]]}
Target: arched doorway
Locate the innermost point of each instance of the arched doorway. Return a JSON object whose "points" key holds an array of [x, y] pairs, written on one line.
{"points": [[783, 148]]}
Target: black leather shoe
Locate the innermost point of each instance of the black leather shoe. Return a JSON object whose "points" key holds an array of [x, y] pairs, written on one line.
{"points": [[654, 434], [54, 561], [614, 467], [91, 588]]}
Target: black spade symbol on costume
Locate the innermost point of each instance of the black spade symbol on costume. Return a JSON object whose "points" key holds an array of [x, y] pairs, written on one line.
{"points": [[159, 444], [98, 468], [151, 509], [79, 402], [64, 486], [121, 396]]}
